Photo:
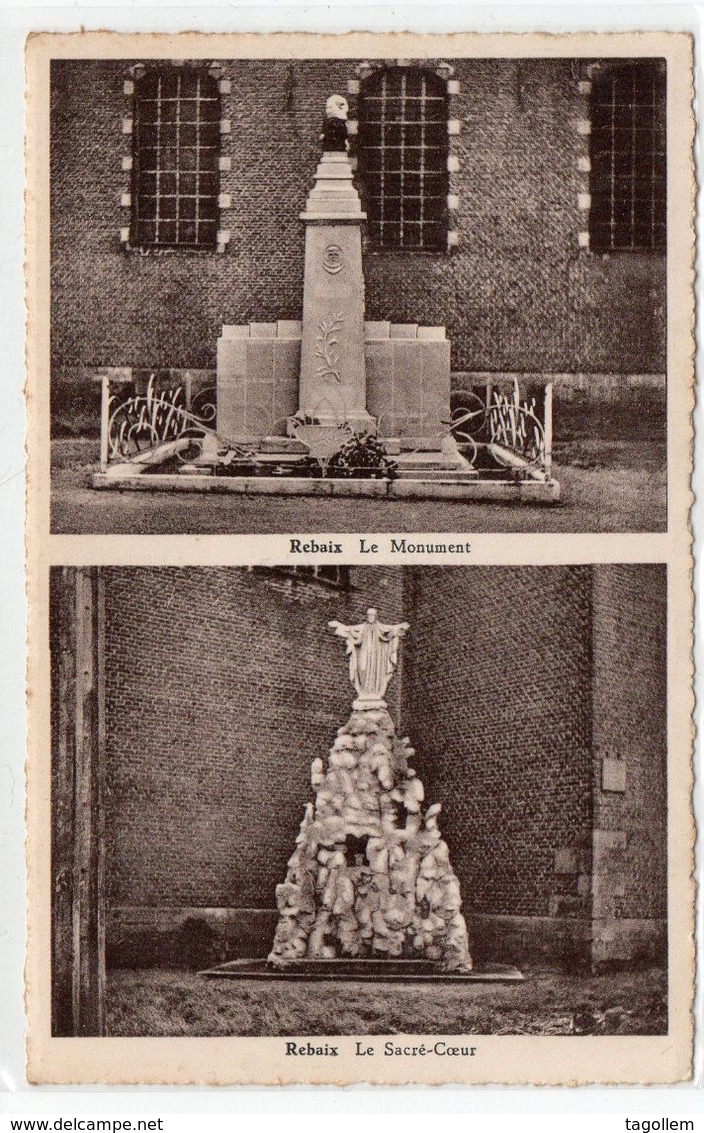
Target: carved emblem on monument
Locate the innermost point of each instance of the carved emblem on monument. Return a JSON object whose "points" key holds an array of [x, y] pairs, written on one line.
{"points": [[326, 348], [332, 259]]}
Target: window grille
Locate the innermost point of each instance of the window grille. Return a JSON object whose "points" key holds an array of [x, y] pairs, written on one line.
{"points": [[628, 158], [335, 576], [176, 150], [402, 152]]}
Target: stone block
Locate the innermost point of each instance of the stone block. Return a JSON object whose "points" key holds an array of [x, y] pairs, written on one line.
{"points": [[287, 363], [403, 330], [262, 330], [379, 357], [565, 860], [613, 775], [435, 373], [257, 420], [408, 373], [231, 412], [373, 331], [408, 425], [260, 360], [231, 384], [607, 841], [584, 884], [433, 423], [289, 328], [231, 360], [260, 395], [407, 404], [229, 332], [431, 334], [418, 441], [115, 373], [564, 906]]}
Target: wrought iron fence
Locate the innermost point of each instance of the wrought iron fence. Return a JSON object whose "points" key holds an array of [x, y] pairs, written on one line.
{"points": [[508, 422], [142, 419]]}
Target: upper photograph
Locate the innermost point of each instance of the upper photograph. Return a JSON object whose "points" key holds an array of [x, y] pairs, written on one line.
{"points": [[422, 294]]}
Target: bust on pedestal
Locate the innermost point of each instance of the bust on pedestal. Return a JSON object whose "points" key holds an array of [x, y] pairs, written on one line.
{"points": [[333, 385], [379, 377]]}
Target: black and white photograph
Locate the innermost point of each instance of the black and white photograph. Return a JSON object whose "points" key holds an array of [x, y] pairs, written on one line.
{"points": [[359, 801], [359, 570], [363, 294]]}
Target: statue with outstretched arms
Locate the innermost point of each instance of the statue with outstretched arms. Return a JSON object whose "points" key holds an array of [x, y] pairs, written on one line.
{"points": [[372, 648]]}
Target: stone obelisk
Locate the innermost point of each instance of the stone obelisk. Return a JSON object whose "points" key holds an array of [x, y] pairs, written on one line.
{"points": [[370, 876], [333, 387]]}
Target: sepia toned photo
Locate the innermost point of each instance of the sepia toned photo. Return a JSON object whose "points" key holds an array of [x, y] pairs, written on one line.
{"points": [[359, 801], [360, 380], [364, 294]]}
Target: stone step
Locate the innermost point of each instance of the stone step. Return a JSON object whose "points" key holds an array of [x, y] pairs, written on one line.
{"points": [[377, 970], [445, 475], [421, 466]]}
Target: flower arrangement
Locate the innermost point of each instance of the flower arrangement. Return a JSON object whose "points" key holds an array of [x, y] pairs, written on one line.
{"points": [[363, 455]]}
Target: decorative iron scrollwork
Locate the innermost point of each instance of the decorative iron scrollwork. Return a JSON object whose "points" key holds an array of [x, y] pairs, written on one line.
{"points": [[146, 420], [506, 420]]}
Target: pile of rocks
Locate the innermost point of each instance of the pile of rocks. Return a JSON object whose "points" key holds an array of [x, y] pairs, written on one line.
{"points": [[371, 874]]}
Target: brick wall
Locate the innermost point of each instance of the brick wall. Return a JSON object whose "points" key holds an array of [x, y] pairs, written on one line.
{"points": [[515, 686], [630, 745], [517, 294], [211, 731], [498, 687]]}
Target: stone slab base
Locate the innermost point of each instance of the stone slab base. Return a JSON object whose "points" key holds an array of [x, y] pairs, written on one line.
{"points": [[160, 936], [628, 941], [199, 937], [526, 491], [571, 942], [378, 971], [562, 941], [569, 386]]}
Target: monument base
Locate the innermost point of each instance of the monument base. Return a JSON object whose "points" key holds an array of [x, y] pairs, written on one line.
{"points": [[408, 384], [362, 971], [368, 704], [470, 490]]}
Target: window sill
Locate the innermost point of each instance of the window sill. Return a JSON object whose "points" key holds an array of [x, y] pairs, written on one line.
{"points": [[157, 250], [416, 253], [605, 253]]}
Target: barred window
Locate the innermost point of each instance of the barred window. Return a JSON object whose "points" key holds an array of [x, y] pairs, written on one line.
{"points": [[335, 576], [628, 160], [175, 159], [402, 152]]}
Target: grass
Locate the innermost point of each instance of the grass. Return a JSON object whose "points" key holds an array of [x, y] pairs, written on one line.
{"points": [[155, 1002], [607, 485]]}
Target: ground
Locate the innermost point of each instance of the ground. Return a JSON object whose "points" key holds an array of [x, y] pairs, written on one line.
{"points": [[159, 1002], [606, 486]]}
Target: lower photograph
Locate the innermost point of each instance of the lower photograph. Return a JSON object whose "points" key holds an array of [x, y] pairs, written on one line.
{"points": [[322, 801]]}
